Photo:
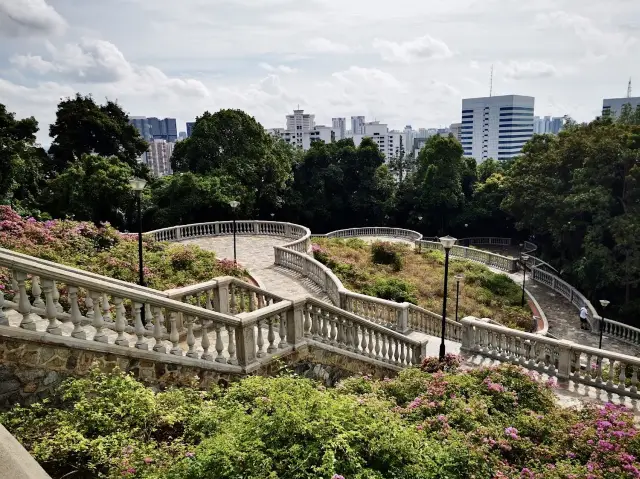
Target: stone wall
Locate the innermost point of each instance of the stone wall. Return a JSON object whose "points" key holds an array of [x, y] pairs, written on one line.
{"points": [[32, 365]]}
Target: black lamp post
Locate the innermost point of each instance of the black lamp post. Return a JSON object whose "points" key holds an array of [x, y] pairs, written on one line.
{"points": [[234, 204], [525, 258], [604, 303], [273, 215], [447, 243], [466, 233], [137, 185], [420, 241], [459, 277]]}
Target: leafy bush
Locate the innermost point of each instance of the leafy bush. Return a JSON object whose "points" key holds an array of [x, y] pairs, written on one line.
{"points": [[387, 253], [499, 422], [392, 289], [450, 364], [104, 250]]}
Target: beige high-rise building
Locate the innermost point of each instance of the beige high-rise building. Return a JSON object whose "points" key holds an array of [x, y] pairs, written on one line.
{"points": [[158, 157]]}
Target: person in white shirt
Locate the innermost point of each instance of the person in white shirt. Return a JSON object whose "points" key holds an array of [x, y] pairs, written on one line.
{"points": [[584, 324]]}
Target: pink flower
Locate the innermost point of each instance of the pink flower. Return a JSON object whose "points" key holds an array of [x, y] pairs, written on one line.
{"points": [[148, 460], [190, 454], [419, 427]]}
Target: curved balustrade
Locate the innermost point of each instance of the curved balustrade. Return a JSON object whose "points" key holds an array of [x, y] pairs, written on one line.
{"points": [[490, 259], [375, 231], [424, 321], [298, 233], [485, 240]]}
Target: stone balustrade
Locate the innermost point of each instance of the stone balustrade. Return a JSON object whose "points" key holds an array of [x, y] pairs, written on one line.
{"points": [[299, 234], [375, 231], [558, 358], [498, 261], [485, 240]]}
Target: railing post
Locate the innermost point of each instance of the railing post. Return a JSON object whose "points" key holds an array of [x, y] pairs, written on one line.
{"points": [[256, 229], [564, 359], [178, 233], [295, 319], [216, 228], [420, 352], [287, 230], [467, 333], [402, 325], [343, 299], [221, 298], [245, 343]]}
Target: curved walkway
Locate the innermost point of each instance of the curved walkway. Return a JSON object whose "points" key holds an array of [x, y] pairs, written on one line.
{"points": [[256, 254]]}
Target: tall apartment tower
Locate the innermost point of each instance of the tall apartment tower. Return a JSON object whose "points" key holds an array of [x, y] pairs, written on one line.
{"points": [[158, 157], [153, 128], [300, 121], [357, 125], [340, 127], [190, 125], [455, 130], [496, 127]]}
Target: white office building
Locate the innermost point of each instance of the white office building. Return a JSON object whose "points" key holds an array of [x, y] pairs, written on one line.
{"points": [[548, 125], [496, 127], [455, 130], [158, 157], [389, 142], [340, 127], [613, 106], [357, 125], [301, 130]]}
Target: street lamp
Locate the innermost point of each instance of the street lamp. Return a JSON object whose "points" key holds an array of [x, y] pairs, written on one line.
{"points": [[525, 258], [273, 215], [420, 241], [459, 277], [447, 243], [466, 225], [234, 204], [137, 185], [604, 303]]}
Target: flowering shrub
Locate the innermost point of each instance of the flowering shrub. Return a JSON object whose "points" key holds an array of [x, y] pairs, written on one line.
{"points": [[499, 422], [104, 250], [450, 363]]}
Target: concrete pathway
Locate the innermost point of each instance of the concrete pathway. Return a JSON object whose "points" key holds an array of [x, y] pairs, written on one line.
{"points": [[256, 254]]}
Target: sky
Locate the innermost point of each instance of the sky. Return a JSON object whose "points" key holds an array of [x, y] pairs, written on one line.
{"points": [[404, 62]]}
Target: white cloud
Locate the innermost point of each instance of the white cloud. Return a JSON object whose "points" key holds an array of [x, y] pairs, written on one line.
{"points": [[279, 68], [418, 49], [32, 62], [519, 70], [29, 17], [324, 45], [601, 43]]}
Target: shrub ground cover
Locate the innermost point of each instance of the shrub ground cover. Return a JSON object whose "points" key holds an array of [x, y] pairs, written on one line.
{"points": [[484, 423], [396, 272], [106, 251]]}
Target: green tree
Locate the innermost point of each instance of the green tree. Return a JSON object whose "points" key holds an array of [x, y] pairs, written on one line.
{"points": [[230, 143], [84, 127], [92, 188], [21, 160]]}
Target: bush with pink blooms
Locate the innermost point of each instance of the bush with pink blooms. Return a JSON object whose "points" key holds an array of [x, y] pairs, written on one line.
{"points": [[104, 250], [500, 422]]}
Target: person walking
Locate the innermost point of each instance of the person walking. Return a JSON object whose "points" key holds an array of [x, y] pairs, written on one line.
{"points": [[584, 324]]}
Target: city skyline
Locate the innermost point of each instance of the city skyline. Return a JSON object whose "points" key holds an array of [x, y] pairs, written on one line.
{"points": [[410, 64]]}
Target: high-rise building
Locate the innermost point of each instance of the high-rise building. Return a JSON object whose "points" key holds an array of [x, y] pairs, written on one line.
{"points": [[158, 157], [357, 125], [301, 130], [496, 127], [340, 127], [455, 130], [182, 135], [190, 125], [422, 133], [613, 106], [548, 125], [389, 142], [153, 128]]}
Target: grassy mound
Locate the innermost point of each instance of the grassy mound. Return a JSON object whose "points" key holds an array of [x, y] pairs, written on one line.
{"points": [[396, 272], [105, 251], [485, 423]]}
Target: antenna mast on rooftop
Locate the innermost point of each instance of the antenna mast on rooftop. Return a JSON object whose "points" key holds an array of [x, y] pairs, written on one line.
{"points": [[629, 89], [491, 82]]}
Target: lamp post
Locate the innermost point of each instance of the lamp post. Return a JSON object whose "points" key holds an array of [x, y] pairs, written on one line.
{"points": [[234, 204], [524, 258], [604, 303], [459, 277], [137, 185], [447, 243], [273, 215], [420, 241], [466, 225]]}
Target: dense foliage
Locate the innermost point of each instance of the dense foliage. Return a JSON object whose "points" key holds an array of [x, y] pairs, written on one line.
{"points": [[484, 423], [396, 272], [103, 250], [576, 193]]}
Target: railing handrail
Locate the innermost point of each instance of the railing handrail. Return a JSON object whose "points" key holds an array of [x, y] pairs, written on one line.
{"points": [[414, 235], [105, 286], [50, 264], [219, 281], [508, 258]]}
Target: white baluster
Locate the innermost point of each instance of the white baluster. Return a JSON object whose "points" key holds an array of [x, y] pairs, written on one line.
{"points": [[89, 304], [622, 379], [363, 344], [219, 346], [271, 337], [325, 326], [209, 303], [3, 317], [634, 380], [24, 306], [191, 339], [307, 321], [98, 322], [106, 307], [206, 355], [158, 320], [74, 311], [283, 332], [36, 291], [139, 327], [231, 348], [396, 353], [120, 322], [174, 337], [50, 310], [259, 339], [56, 298], [378, 340], [148, 317], [15, 287], [384, 347]]}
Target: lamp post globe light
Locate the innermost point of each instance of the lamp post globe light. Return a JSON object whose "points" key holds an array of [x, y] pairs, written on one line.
{"points": [[604, 303], [234, 204], [447, 243], [420, 241], [459, 277], [137, 185], [525, 258]]}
